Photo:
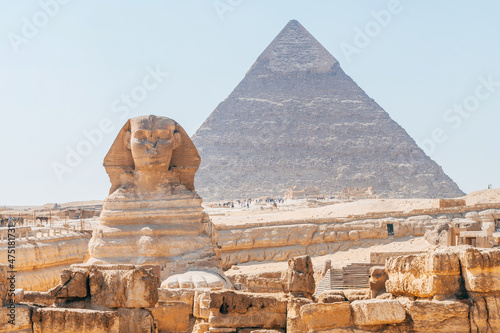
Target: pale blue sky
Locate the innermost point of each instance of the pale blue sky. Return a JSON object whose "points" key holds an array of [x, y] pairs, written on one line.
{"points": [[68, 75]]}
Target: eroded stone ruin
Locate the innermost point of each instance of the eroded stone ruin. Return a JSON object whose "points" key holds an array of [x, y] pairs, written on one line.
{"points": [[450, 290]]}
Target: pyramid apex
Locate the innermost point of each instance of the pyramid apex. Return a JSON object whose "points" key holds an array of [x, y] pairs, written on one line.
{"points": [[294, 50]]}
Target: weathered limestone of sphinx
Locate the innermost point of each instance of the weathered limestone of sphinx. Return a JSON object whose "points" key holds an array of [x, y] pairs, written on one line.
{"points": [[153, 214]]}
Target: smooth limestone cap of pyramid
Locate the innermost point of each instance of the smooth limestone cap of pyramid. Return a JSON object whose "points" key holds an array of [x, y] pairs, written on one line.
{"points": [[295, 50]]}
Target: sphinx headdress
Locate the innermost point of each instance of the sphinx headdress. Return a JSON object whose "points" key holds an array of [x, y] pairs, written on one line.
{"points": [[184, 163]]}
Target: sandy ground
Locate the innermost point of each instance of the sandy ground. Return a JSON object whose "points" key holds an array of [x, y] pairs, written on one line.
{"points": [[297, 210], [483, 197], [341, 258], [308, 209]]}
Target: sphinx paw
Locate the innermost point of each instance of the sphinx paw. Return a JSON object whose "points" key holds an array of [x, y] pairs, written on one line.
{"points": [[196, 280]]}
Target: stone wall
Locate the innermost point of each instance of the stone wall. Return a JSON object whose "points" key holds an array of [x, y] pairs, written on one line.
{"points": [[452, 290], [380, 257], [282, 240], [40, 258]]}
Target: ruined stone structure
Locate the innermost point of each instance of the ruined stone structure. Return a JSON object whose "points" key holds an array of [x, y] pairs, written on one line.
{"points": [[41, 255], [295, 193], [153, 214], [296, 119], [475, 230], [283, 240], [451, 290]]}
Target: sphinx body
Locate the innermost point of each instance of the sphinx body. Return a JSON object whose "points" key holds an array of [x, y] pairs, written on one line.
{"points": [[152, 214]]}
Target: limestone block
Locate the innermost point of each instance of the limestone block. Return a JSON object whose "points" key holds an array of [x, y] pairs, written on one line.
{"points": [[57, 320], [294, 321], [18, 295], [485, 312], [368, 233], [354, 235], [201, 307], [239, 309], [438, 235], [446, 203], [256, 318], [177, 295], [135, 321], [4, 285], [488, 215], [424, 275], [473, 216], [318, 249], [253, 330], [38, 298], [21, 316], [40, 263], [200, 326], [41, 279], [331, 296], [377, 312], [282, 254], [326, 316], [386, 296], [277, 236], [115, 288], [172, 316], [441, 316], [328, 236], [481, 269], [266, 282], [40, 253], [342, 235], [357, 294], [378, 277], [419, 229], [73, 284], [300, 276]]}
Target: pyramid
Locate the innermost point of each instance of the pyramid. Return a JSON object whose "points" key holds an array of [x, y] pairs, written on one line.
{"points": [[296, 119]]}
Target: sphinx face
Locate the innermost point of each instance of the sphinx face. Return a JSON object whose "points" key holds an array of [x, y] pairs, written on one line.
{"points": [[152, 141]]}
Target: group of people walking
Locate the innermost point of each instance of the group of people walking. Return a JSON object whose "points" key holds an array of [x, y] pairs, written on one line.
{"points": [[245, 203]]}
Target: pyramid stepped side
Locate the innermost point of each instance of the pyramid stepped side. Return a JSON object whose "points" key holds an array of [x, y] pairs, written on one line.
{"points": [[298, 119]]}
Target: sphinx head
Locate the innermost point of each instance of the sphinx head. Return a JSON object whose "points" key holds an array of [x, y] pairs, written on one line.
{"points": [[151, 143]]}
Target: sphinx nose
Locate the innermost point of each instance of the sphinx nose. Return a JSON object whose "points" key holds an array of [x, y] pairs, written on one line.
{"points": [[151, 144]]}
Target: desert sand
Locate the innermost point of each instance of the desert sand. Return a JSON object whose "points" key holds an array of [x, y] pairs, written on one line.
{"points": [[309, 209]]}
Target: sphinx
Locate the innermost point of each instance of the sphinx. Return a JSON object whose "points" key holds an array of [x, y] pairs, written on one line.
{"points": [[153, 214]]}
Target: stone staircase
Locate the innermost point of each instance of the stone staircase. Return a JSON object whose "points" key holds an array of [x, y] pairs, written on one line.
{"points": [[352, 276]]}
